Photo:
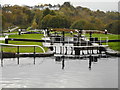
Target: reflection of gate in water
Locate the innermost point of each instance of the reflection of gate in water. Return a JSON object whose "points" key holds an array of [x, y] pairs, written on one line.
{"points": [[78, 48]]}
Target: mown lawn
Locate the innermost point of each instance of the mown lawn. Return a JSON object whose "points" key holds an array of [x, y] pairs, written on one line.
{"points": [[27, 36], [112, 45], [25, 49]]}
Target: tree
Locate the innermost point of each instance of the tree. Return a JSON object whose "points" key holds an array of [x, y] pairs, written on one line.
{"points": [[45, 21], [46, 12], [83, 24], [78, 24], [55, 22], [97, 23], [52, 13], [114, 27], [59, 22], [67, 4], [34, 24]]}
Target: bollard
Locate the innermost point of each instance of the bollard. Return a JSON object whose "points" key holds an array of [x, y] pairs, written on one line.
{"points": [[6, 41], [19, 31]]}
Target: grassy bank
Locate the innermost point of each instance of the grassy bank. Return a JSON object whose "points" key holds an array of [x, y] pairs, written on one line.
{"points": [[112, 45], [25, 49]]}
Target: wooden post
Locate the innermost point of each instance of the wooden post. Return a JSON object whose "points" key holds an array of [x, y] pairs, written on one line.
{"points": [[18, 54], [34, 54], [82, 51], [60, 49], [71, 51], [97, 50], [92, 51], [87, 50], [66, 51], [55, 49]]}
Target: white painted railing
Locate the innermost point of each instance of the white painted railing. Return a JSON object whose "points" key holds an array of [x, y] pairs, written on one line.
{"points": [[2, 44]]}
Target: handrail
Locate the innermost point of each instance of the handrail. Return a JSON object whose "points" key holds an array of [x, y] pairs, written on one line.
{"points": [[23, 46]]}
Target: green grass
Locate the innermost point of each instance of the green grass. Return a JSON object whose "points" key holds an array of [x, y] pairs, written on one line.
{"points": [[112, 45], [27, 36], [22, 49], [110, 36], [25, 49]]}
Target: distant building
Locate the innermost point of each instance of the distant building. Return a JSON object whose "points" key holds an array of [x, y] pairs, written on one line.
{"points": [[42, 7], [6, 5]]}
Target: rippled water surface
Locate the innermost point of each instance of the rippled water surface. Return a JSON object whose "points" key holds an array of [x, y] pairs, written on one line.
{"points": [[47, 73]]}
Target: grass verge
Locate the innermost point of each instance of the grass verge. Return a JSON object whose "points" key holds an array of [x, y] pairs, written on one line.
{"points": [[25, 49]]}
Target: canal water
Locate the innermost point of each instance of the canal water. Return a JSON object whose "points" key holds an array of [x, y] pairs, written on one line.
{"points": [[47, 73]]}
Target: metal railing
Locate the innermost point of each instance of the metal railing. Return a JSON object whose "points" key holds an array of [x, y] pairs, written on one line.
{"points": [[18, 47]]}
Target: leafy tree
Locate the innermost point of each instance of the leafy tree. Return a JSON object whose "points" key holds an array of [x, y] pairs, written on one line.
{"points": [[55, 22], [34, 24], [38, 16], [59, 22], [52, 13], [114, 27], [46, 20], [97, 23], [78, 24], [67, 16], [46, 12]]}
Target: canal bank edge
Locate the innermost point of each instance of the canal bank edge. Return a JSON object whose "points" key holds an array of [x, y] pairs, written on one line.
{"points": [[47, 54], [15, 55]]}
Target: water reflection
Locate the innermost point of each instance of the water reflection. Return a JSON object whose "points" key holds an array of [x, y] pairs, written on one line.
{"points": [[48, 74]]}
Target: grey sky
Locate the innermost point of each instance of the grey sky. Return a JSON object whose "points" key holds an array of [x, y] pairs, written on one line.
{"points": [[104, 5]]}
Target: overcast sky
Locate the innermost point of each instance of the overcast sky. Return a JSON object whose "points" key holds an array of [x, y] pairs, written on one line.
{"points": [[104, 5]]}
